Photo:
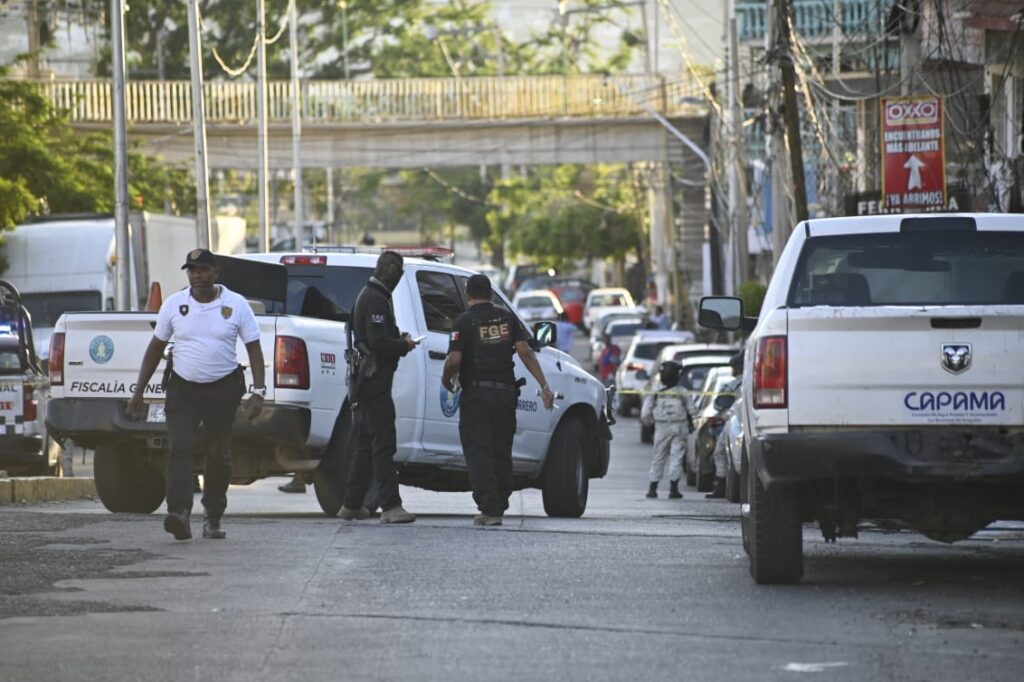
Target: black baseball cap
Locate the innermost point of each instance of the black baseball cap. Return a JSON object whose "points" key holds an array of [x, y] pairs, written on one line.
{"points": [[199, 257]]}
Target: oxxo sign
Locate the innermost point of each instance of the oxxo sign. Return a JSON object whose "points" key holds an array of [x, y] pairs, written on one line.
{"points": [[913, 154]]}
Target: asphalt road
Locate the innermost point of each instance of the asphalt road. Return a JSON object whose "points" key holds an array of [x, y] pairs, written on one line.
{"points": [[636, 589]]}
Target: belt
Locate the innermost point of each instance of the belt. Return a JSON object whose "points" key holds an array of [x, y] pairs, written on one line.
{"points": [[500, 385]]}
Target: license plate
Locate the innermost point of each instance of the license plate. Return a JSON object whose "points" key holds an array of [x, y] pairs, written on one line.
{"points": [[156, 413]]}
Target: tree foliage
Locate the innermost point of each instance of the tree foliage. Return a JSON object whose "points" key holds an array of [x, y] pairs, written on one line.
{"points": [[47, 167]]}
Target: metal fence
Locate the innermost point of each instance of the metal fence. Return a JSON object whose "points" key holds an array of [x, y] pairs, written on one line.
{"points": [[374, 101]]}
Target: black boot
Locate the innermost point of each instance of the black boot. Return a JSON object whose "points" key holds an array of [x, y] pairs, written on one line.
{"points": [[653, 490], [673, 491], [718, 491]]}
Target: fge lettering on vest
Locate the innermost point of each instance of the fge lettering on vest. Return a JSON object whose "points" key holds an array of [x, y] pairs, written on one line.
{"points": [[495, 332]]}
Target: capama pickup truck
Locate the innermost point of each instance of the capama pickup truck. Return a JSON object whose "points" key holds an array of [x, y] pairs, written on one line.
{"points": [[301, 300], [885, 382]]}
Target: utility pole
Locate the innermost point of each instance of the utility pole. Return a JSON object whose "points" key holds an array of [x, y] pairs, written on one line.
{"points": [[910, 48], [32, 21], [344, 36], [835, 203], [199, 127], [261, 123], [647, 37], [737, 172], [122, 238], [783, 13], [293, 35]]}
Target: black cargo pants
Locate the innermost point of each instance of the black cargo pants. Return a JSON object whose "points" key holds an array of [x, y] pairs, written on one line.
{"points": [[487, 426], [373, 452], [213, 405]]}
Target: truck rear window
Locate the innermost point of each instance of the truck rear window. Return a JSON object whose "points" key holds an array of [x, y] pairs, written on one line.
{"points": [[919, 268], [321, 291], [45, 309]]}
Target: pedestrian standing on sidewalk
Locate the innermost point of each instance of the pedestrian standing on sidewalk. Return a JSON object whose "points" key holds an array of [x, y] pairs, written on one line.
{"points": [[375, 335], [483, 341], [666, 409], [205, 386]]}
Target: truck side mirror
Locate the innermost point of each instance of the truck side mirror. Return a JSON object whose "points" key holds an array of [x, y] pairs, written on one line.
{"points": [[724, 402], [723, 313], [546, 333]]}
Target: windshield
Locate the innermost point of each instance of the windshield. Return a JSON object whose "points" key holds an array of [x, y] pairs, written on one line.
{"points": [[321, 291], [45, 309], [623, 328], [10, 360], [916, 268], [534, 302], [649, 351], [607, 300]]}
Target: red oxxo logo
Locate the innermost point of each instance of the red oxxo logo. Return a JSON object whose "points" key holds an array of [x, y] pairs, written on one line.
{"points": [[911, 112]]}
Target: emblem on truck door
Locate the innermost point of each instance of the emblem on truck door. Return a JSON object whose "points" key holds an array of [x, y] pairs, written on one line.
{"points": [[955, 357]]}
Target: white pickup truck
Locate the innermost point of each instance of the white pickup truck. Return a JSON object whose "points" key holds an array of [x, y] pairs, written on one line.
{"points": [[885, 382], [301, 299]]}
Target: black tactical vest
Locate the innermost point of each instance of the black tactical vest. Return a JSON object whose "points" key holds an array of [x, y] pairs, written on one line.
{"points": [[490, 345]]}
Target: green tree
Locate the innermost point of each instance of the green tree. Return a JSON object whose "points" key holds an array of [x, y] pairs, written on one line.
{"points": [[47, 167]]}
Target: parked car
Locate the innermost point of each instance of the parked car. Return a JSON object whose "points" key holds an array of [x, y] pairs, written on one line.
{"points": [[695, 371], [600, 301], [517, 274], [537, 305], [597, 331], [572, 297], [731, 442], [638, 364], [714, 398]]}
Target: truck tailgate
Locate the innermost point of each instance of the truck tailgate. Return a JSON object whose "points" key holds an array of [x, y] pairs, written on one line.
{"points": [[103, 353], [901, 366]]}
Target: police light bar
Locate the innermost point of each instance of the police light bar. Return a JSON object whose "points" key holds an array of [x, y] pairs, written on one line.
{"points": [[427, 252], [304, 260]]}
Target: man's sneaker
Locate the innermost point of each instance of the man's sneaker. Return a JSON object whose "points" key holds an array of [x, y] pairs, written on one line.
{"points": [[211, 529], [486, 520], [347, 514], [293, 486], [396, 515], [177, 524]]}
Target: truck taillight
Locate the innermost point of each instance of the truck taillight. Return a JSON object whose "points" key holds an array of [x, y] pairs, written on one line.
{"points": [[770, 373], [304, 260], [291, 363], [56, 363], [30, 405]]}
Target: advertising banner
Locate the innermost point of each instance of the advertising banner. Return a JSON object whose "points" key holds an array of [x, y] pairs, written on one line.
{"points": [[913, 154]]}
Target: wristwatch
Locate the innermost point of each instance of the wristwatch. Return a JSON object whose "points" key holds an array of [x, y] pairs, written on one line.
{"points": [[261, 391]]}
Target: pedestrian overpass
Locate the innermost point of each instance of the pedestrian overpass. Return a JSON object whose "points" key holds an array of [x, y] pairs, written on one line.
{"points": [[437, 122], [405, 123]]}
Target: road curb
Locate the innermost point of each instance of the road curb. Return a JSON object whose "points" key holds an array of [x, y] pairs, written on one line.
{"points": [[34, 489]]}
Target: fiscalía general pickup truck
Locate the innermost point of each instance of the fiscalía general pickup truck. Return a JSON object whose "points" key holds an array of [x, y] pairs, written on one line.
{"points": [[301, 301], [883, 382]]}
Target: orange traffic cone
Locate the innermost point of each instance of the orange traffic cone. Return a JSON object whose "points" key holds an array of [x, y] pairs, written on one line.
{"points": [[155, 299]]}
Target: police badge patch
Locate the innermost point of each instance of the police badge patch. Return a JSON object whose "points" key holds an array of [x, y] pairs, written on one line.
{"points": [[225, 312], [377, 319], [183, 309]]}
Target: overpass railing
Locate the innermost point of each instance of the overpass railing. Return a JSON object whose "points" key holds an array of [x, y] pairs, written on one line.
{"points": [[375, 101]]}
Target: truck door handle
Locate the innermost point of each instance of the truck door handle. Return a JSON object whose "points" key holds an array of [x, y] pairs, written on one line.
{"points": [[436, 355]]}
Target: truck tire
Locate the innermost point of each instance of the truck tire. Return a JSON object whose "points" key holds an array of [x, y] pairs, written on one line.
{"points": [[646, 433], [775, 534], [744, 507], [124, 483], [329, 477], [565, 473], [705, 474]]}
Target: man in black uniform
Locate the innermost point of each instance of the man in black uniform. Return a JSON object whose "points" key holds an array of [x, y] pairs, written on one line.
{"points": [[381, 345], [483, 340]]}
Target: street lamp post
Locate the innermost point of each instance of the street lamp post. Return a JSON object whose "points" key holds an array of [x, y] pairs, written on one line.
{"points": [[122, 287]]}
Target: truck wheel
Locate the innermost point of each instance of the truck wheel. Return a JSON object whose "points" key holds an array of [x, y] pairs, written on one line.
{"points": [[147, 490], [775, 534], [329, 477], [124, 483], [565, 474], [646, 433]]}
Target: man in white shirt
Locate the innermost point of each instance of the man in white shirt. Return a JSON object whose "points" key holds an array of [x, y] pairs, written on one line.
{"points": [[206, 386]]}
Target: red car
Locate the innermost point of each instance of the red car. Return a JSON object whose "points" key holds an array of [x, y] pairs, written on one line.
{"points": [[572, 299]]}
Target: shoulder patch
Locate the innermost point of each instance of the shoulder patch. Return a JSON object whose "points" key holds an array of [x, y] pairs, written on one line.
{"points": [[377, 319]]}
